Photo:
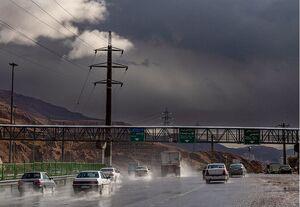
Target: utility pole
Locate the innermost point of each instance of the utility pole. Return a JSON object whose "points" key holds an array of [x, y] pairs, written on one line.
{"points": [[166, 117], [109, 65], [13, 65], [283, 125]]}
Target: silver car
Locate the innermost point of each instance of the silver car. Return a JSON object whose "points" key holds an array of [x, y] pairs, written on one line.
{"points": [[90, 180], [38, 181]]}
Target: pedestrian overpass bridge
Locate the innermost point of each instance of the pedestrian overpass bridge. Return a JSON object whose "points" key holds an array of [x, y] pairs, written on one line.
{"points": [[183, 134]]}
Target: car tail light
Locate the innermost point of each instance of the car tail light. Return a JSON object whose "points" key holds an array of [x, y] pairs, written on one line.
{"points": [[37, 183], [75, 182]]}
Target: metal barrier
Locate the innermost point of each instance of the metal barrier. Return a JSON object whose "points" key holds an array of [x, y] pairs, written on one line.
{"points": [[16, 170]]}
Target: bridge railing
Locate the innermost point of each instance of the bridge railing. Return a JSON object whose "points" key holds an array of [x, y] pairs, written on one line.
{"points": [[16, 170]]}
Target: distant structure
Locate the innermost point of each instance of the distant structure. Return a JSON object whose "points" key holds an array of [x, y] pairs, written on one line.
{"points": [[283, 125], [166, 117]]}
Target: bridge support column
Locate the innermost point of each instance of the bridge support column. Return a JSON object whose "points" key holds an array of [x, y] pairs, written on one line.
{"points": [[103, 147], [62, 150], [33, 151], [110, 154], [212, 150], [284, 147]]}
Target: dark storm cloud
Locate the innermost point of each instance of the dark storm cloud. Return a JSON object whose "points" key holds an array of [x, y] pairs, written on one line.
{"points": [[236, 29], [210, 62]]}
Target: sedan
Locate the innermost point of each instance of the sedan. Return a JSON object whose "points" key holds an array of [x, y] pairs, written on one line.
{"points": [[237, 169], [90, 181], [141, 171], [111, 173], [38, 181], [216, 172]]}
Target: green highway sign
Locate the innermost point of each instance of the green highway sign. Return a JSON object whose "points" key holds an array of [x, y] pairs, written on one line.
{"points": [[137, 134], [187, 135], [251, 136]]}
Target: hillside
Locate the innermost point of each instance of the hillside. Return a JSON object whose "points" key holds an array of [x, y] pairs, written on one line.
{"points": [[34, 111], [261, 153]]}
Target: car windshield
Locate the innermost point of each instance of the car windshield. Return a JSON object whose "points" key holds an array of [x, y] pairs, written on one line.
{"points": [[107, 170], [88, 175], [236, 166], [216, 166], [31, 175]]}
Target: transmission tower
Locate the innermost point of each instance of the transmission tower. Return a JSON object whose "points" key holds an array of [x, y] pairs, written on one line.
{"points": [[109, 65], [284, 125], [166, 117]]}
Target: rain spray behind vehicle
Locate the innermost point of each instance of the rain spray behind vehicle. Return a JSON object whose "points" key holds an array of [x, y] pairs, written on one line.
{"points": [[131, 167], [170, 163]]}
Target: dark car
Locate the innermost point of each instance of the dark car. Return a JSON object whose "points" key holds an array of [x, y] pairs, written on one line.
{"points": [[38, 181], [285, 169], [237, 169]]}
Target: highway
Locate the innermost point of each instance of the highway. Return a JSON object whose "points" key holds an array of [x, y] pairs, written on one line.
{"points": [[189, 191]]}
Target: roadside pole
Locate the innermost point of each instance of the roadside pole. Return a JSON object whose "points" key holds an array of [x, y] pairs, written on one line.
{"points": [[13, 65]]}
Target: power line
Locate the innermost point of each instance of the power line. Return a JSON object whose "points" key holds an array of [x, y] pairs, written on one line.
{"points": [[64, 9], [84, 84], [39, 44], [147, 118], [40, 20], [56, 20], [33, 62], [89, 96], [82, 88], [69, 13]]}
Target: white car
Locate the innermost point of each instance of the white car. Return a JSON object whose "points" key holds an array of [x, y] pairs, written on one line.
{"points": [[111, 173], [90, 180], [141, 171], [216, 172]]}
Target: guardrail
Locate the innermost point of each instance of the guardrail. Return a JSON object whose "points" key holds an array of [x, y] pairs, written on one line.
{"points": [[16, 170]]}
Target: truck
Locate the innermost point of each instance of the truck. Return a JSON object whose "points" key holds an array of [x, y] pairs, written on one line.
{"points": [[170, 163]]}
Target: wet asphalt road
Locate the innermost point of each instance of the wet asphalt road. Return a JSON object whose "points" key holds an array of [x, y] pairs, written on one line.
{"points": [[190, 191]]}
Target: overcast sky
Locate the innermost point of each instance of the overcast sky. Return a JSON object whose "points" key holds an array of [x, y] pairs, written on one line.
{"points": [[217, 62]]}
